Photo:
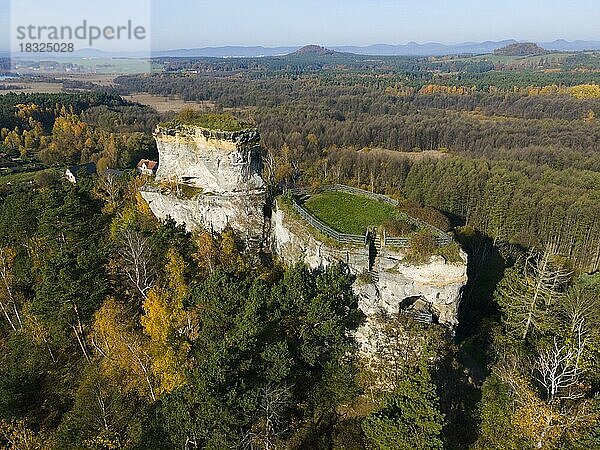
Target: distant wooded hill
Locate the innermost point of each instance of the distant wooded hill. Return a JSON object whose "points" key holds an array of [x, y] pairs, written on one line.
{"points": [[521, 49], [408, 49], [313, 50]]}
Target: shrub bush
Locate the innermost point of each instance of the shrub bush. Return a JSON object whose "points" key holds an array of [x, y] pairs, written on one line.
{"points": [[397, 227], [421, 247]]}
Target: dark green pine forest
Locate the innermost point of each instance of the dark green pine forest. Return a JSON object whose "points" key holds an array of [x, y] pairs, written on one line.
{"points": [[118, 331]]}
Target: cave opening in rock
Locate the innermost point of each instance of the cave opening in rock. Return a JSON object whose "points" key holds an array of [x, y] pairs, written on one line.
{"points": [[417, 308]]}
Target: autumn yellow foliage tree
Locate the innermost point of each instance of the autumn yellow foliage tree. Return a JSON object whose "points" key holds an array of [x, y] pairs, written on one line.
{"points": [[207, 251], [589, 116], [16, 434], [229, 254], [164, 322], [436, 88], [136, 214], [70, 139], [536, 420], [545, 423], [121, 349], [585, 91]]}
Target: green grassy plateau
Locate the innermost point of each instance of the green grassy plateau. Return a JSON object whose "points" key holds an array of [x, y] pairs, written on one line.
{"points": [[348, 213]]}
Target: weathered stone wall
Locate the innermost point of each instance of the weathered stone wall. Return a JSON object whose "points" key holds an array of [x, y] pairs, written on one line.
{"points": [[293, 240], [436, 282]]}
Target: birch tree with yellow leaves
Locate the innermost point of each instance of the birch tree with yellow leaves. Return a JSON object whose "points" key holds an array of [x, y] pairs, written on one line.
{"points": [[165, 323]]}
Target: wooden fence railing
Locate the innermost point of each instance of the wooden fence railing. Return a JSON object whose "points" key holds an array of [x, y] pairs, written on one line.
{"points": [[327, 230], [403, 242], [441, 237], [419, 316], [358, 191]]}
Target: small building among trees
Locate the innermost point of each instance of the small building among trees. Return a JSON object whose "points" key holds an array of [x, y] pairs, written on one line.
{"points": [[74, 172], [147, 167]]}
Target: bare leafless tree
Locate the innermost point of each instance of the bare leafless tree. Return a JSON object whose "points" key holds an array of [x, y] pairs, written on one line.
{"points": [[191, 443], [8, 300], [558, 368], [580, 306], [269, 423], [545, 287], [565, 410], [109, 188], [528, 298], [138, 263]]}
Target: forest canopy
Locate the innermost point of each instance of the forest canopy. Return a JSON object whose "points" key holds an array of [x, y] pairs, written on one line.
{"points": [[118, 330]]}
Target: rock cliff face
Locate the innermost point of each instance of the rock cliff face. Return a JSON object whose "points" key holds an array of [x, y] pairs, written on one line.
{"points": [[243, 213], [212, 179], [216, 161], [293, 240], [391, 285], [219, 174], [436, 282]]}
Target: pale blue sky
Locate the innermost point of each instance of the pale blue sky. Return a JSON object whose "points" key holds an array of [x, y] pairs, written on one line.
{"points": [[193, 23], [362, 22]]}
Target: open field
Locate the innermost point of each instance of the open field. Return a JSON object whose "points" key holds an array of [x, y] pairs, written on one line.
{"points": [[163, 103], [119, 66], [85, 65], [101, 79], [30, 87], [33, 86], [348, 213]]}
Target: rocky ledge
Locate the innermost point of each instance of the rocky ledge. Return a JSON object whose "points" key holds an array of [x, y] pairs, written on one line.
{"points": [[385, 287]]}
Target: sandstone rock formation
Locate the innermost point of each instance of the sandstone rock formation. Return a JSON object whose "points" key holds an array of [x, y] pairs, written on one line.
{"points": [[217, 162], [389, 286], [209, 178]]}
